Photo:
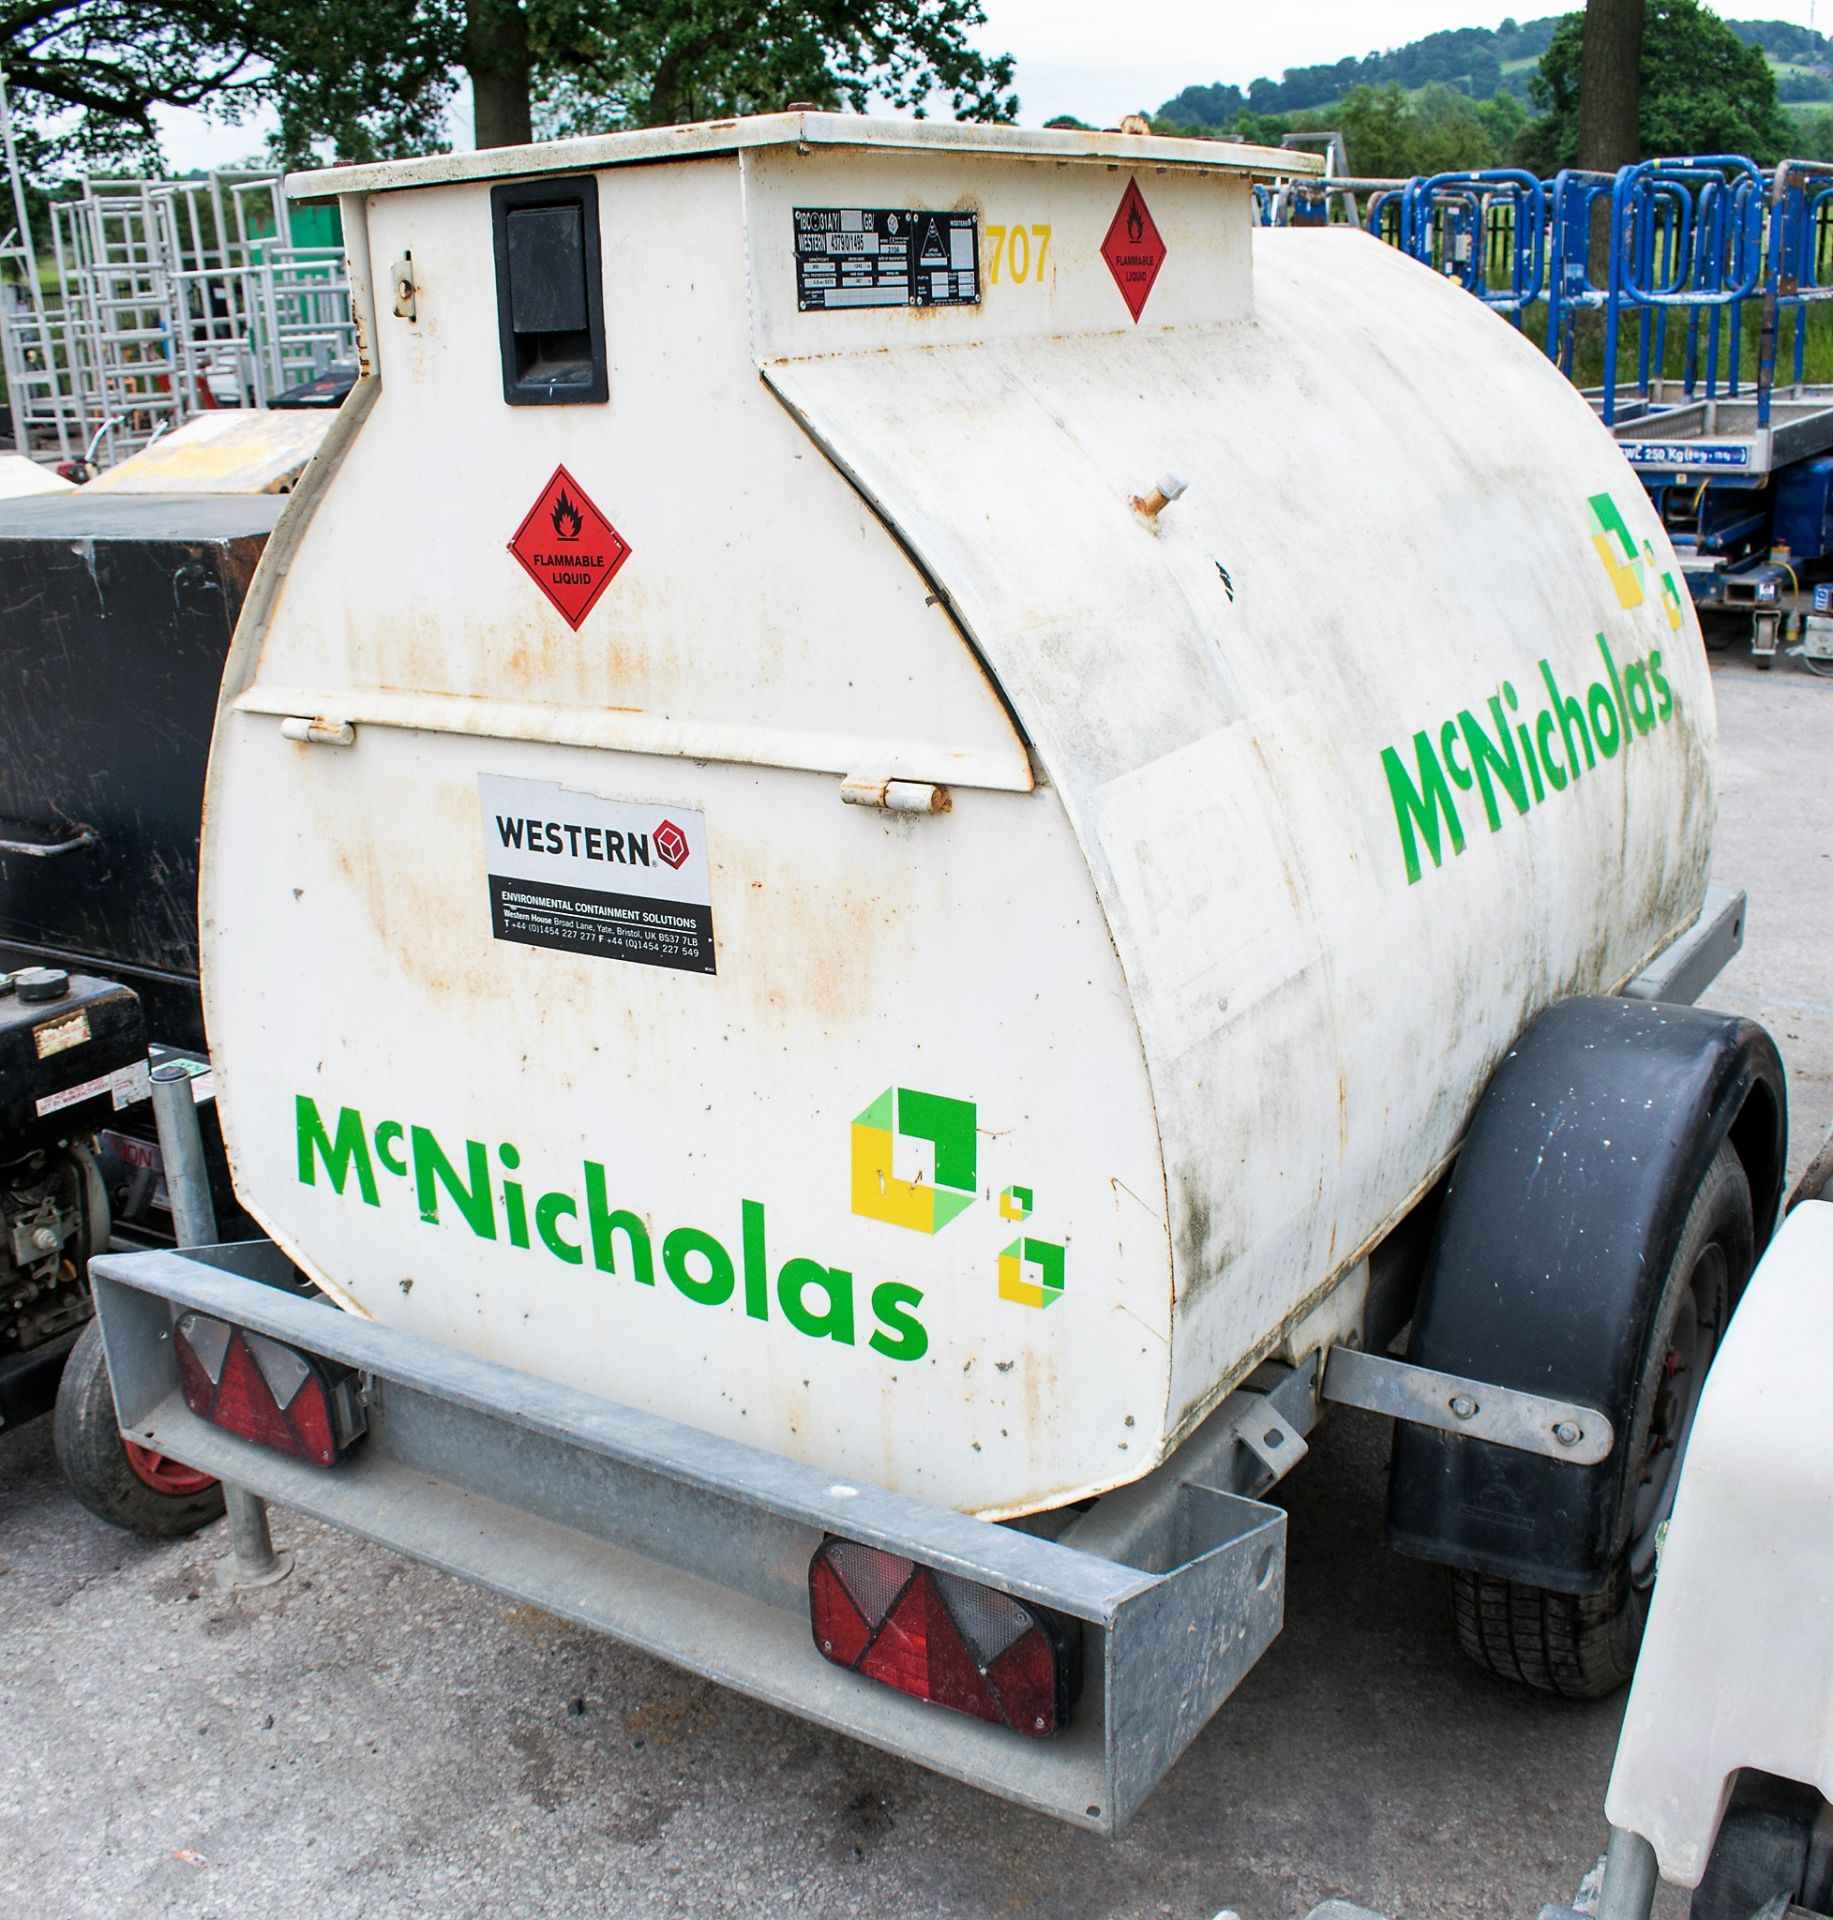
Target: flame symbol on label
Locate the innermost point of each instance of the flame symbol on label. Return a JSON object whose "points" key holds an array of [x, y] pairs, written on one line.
{"points": [[1136, 227], [567, 518]]}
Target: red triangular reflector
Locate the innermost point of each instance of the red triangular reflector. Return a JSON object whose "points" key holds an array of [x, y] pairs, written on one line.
{"points": [[841, 1631], [919, 1651], [1025, 1677], [244, 1405]]}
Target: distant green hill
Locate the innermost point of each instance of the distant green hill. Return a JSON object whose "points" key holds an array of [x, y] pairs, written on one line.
{"points": [[1479, 62]]}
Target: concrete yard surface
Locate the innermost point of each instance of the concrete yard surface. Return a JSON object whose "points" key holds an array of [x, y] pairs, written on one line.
{"points": [[373, 1738]]}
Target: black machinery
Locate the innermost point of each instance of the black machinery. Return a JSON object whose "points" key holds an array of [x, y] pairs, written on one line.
{"points": [[119, 612]]}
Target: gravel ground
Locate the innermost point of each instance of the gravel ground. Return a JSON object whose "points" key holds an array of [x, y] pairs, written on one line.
{"points": [[373, 1738]]}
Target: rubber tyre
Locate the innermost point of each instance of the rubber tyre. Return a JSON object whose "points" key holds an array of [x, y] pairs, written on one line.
{"points": [[1584, 1646], [1773, 1839], [89, 1450]]}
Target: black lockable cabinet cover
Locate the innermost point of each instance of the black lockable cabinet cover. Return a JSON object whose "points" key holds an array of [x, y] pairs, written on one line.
{"points": [[115, 617]]}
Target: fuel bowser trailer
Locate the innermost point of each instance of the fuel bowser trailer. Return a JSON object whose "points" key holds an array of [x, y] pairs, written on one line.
{"points": [[907, 840]]}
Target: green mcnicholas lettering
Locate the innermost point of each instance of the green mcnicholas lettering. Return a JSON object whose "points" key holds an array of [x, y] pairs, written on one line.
{"points": [[815, 1300], [1527, 760]]}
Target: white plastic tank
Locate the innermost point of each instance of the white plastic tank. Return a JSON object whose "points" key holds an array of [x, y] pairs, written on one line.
{"points": [[788, 895]]}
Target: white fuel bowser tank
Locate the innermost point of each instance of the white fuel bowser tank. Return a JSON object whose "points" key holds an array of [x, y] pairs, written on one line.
{"points": [[893, 785]]}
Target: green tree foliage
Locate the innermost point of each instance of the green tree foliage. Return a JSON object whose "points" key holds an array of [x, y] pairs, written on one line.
{"points": [[1812, 137], [1391, 135], [363, 80], [359, 80], [1784, 40], [85, 75], [1704, 90], [355, 78], [1470, 59], [653, 62]]}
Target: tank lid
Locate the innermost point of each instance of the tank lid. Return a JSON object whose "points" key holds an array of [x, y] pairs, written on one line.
{"points": [[652, 144]]}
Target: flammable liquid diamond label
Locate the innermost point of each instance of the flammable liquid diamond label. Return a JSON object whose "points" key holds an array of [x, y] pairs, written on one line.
{"points": [[568, 547], [1134, 249]]}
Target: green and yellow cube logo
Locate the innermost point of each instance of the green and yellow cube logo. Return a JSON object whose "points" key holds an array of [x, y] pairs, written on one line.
{"points": [[1030, 1269], [1628, 569], [948, 1125]]}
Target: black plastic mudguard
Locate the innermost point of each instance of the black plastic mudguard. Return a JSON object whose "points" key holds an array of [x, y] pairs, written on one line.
{"points": [[1561, 1220]]}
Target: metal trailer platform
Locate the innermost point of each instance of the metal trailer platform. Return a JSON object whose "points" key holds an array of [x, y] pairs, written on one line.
{"points": [[1665, 434]]}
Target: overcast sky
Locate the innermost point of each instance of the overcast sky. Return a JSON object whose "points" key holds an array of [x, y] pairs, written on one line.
{"points": [[1099, 59]]}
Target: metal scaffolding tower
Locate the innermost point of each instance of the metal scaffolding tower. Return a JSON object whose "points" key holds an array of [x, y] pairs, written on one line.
{"points": [[168, 298]]}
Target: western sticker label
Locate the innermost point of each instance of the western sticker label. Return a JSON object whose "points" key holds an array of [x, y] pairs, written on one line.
{"points": [[568, 548], [885, 257], [617, 879]]}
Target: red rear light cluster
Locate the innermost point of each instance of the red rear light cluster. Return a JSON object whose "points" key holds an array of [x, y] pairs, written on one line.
{"points": [[294, 1402], [943, 1639]]}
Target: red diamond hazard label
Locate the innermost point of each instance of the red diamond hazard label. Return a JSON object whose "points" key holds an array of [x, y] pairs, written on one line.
{"points": [[1134, 250], [569, 548]]}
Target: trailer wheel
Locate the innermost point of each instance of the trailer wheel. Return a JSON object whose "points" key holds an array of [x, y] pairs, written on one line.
{"points": [[1776, 1838], [148, 1494], [1583, 1646]]}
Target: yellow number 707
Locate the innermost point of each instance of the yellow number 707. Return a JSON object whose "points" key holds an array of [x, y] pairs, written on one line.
{"points": [[1014, 244]]}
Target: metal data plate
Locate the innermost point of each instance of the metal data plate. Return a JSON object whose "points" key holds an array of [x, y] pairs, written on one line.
{"points": [[885, 257]]}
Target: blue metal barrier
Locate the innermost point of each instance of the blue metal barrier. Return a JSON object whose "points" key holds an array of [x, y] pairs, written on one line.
{"points": [[1485, 229], [1673, 254]]}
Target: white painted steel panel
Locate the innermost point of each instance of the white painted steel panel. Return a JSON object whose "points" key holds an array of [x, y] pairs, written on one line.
{"points": [[962, 955], [763, 615], [236, 450], [1387, 520], [21, 478], [1163, 944], [848, 132]]}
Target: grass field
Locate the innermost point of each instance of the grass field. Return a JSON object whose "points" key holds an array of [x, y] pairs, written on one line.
{"points": [[1669, 343]]}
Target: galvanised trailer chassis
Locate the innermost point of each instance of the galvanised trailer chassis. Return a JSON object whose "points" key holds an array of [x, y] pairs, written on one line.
{"points": [[697, 1548]]}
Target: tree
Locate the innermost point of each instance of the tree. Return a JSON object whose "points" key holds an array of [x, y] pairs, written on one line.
{"points": [[357, 80], [1380, 133], [1211, 106], [1610, 84], [361, 77], [363, 80], [646, 63], [1813, 137], [83, 76], [1702, 90]]}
